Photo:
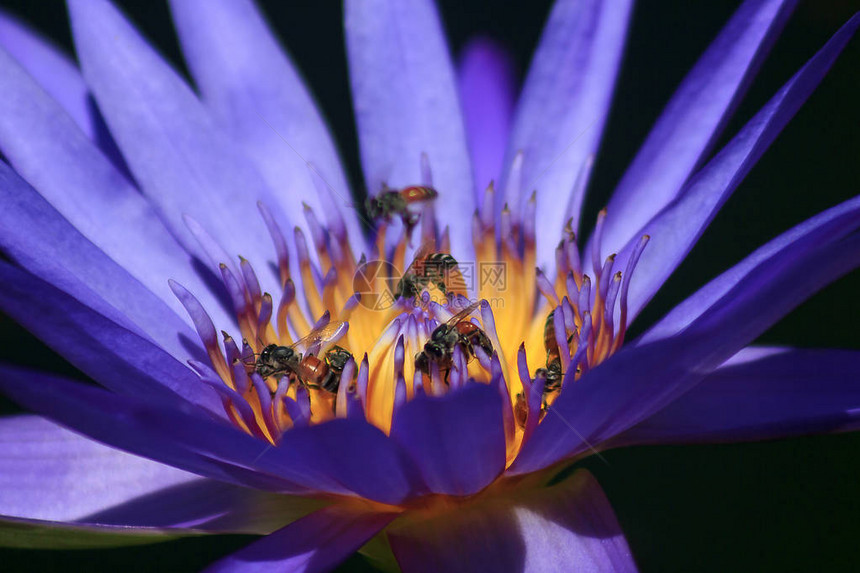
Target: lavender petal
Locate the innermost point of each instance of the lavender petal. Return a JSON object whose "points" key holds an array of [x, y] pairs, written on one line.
{"points": [[406, 104]]}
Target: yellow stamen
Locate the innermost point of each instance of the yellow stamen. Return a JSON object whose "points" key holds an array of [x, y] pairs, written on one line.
{"points": [[364, 294]]}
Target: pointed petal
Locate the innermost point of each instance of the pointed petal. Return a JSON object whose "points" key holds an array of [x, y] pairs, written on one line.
{"points": [[53, 70], [774, 288], [86, 189], [36, 237], [569, 526], [51, 474], [642, 379], [833, 223], [347, 456], [315, 543], [457, 441], [676, 229], [406, 104], [786, 393], [178, 436], [59, 76], [693, 118], [101, 344], [255, 91], [563, 107], [485, 76], [180, 158], [208, 506], [341, 456]]}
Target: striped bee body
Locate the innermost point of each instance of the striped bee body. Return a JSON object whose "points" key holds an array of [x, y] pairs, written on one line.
{"points": [[436, 269], [405, 203]]}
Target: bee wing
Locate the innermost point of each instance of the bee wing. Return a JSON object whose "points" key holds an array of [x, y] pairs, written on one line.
{"points": [[322, 336], [423, 251], [463, 314]]}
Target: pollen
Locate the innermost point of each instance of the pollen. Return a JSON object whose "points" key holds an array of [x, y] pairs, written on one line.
{"points": [[351, 336]]}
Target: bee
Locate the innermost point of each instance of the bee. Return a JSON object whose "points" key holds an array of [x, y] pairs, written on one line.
{"points": [[458, 331], [553, 373], [405, 203], [308, 369], [428, 268], [521, 410], [325, 374]]}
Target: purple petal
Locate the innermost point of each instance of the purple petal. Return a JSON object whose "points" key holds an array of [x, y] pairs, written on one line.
{"points": [[176, 436], [57, 75], [406, 104], [563, 107], [255, 91], [642, 379], [348, 456], [832, 223], [457, 441], [342, 456], [485, 76], [693, 118], [51, 474], [39, 239], [50, 68], [676, 229], [86, 189], [315, 543], [208, 505], [773, 289], [101, 343], [786, 393], [180, 158], [569, 526]]}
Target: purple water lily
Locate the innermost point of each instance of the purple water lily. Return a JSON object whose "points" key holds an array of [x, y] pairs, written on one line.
{"points": [[159, 221]]}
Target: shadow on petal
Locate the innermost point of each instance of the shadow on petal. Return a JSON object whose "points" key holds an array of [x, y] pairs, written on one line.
{"points": [[569, 526], [315, 543], [208, 505]]}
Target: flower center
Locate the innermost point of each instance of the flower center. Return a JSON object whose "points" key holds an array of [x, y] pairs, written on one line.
{"points": [[358, 337]]}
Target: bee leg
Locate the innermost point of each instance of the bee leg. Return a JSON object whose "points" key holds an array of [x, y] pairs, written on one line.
{"points": [[300, 381], [409, 222]]}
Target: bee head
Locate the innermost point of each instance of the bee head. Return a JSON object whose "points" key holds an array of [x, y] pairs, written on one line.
{"points": [[266, 354], [440, 334], [373, 207], [434, 350], [337, 358]]}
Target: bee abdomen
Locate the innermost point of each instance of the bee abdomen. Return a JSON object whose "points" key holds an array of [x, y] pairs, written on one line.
{"points": [[330, 382], [415, 193]]}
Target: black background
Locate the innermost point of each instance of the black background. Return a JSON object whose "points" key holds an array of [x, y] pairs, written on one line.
{"points": [[775, 506]]}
